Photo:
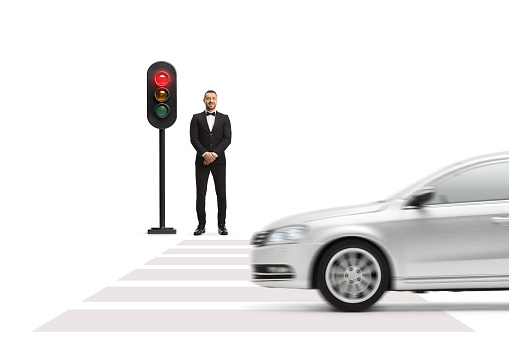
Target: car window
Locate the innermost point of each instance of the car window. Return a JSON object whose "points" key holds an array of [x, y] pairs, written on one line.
{"points": [[483, 183]]}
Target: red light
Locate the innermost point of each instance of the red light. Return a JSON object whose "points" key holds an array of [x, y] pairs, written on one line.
{"points": [[162, 78]]}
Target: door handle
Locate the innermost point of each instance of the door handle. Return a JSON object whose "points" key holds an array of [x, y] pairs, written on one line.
{"points": [[500, 221]]}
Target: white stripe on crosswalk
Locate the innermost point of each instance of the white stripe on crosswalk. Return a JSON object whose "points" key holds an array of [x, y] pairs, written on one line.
{"points": [[191, 283]]}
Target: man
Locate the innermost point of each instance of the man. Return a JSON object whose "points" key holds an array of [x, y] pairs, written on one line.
{"points": [[210, 136]]}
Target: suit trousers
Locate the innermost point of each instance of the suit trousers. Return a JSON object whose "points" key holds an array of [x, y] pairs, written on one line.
{"points": [[202, 178]]}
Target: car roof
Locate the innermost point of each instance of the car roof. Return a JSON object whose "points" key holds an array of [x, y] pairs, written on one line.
{"points": [[485, 158]]}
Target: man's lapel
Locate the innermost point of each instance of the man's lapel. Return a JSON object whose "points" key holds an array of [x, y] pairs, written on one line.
{"points": [[203, 117]]}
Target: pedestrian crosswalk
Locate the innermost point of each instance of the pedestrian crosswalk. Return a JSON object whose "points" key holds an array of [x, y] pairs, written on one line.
{"points": [[209, 280]]}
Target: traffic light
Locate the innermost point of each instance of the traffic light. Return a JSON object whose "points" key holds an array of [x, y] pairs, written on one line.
{"points": [[161, 113], [161, 95]]}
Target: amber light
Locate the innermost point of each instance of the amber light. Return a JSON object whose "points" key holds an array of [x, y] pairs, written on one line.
{"points": [[162, 94]]}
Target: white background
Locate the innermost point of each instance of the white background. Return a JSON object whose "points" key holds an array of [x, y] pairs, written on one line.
{"points": [[331, 103]]}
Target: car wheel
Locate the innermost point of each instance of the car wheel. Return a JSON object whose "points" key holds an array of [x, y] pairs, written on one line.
{"points": [[352, 275]]}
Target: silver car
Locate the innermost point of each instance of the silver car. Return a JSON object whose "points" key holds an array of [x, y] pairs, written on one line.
{"points": [[449, 231]]}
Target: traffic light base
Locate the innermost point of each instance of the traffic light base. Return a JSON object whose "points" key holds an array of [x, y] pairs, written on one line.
{"points": [[162, 230]]}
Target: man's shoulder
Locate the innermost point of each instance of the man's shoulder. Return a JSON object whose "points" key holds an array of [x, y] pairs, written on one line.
{"points": [[196, 116], [219, 113]]}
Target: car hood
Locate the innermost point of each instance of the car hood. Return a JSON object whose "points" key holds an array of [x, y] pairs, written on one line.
{"points": [[308, 217]]}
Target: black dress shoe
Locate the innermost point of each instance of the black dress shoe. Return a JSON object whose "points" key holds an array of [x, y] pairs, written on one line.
{"points": [[199, 230], [222, 230]]}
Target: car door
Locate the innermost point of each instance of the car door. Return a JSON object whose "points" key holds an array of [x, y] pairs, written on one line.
{"points": [[462, 234]]}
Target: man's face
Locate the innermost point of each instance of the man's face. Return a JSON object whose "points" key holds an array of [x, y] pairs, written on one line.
{"points": [[210, 101]]}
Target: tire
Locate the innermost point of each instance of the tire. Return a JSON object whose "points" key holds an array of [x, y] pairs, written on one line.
{"points": [[352, 275]]}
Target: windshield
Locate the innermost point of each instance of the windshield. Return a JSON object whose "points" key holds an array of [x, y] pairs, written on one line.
{"points": [[403, 194]]}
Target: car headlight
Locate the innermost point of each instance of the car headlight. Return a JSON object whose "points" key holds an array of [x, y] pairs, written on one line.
{"points": [[286, 235]]}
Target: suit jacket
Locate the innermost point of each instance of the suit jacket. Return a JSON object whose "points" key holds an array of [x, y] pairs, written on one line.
{"points": [[205, 140]]}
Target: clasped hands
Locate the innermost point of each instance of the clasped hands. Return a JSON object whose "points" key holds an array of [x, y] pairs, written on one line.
{"points": [[209, 158]]}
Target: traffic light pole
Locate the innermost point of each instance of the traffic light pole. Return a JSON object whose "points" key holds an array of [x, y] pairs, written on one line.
{"points": [[162, 185], [162, 229]]}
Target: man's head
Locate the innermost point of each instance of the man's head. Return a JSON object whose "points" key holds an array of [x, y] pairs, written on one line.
{"points": [[210, 100]]}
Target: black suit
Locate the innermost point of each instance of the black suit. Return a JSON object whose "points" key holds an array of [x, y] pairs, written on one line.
{"points": [[204, 140]]}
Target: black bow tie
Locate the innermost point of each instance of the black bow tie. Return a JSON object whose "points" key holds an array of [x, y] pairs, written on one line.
{"points": [[214, 113]]}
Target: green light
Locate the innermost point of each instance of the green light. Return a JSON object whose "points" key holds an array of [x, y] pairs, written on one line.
{"points": [[162, 110]]}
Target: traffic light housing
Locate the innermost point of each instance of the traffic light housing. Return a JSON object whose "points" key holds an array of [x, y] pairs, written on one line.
{"points": [[161, 95]]}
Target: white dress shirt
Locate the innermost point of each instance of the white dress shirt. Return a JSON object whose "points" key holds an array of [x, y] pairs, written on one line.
{"points": [[211, 119]]}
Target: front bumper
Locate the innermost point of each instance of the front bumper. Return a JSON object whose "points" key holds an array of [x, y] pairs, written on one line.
{"points": [[287, 265], [272, 272]]}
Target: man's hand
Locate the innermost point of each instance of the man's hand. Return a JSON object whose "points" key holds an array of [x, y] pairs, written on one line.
{"points": [[209, 158]]}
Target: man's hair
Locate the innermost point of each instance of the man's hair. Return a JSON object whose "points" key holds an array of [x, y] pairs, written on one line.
{"points": [[209, 91]]}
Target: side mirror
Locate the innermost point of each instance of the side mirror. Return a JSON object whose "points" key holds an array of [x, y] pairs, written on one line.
{"points": [[423, 195]]}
